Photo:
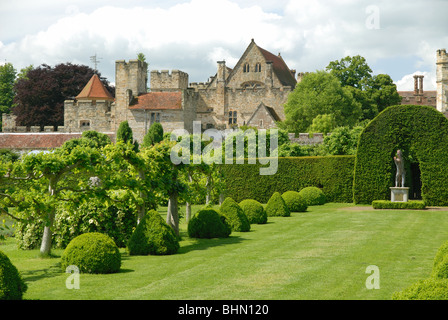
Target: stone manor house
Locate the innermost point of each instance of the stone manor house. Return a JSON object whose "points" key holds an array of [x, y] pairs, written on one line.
{"points": [[252, 94]]}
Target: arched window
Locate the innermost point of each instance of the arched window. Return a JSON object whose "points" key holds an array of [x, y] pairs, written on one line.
{"points": [[246, 68], [258, 67]]}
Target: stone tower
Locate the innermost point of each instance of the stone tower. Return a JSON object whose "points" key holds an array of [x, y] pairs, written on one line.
{"points": [[131, 80], [442, 81]]}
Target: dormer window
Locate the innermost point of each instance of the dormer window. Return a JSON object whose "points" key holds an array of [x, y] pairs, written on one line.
{"points": [[246, 68], [258, 67]]}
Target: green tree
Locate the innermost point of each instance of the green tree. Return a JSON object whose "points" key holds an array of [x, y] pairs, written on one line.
{"points": [[383, 92], [323, 123], [7, 79], [36, 184], [374, 93], [319, 93]]}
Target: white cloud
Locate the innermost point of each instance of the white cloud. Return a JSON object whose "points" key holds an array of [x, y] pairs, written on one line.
{"points": [[407, 82], [192, 35]]}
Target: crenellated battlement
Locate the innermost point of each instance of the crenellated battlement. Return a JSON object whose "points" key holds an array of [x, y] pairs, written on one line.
{"points": [[442, 56], [163, 80]]}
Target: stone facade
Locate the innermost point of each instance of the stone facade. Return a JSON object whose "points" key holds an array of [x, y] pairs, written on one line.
{"points": [[442, 81]]}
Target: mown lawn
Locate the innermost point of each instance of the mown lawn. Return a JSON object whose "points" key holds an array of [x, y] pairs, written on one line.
{"points": [[320, 254]]}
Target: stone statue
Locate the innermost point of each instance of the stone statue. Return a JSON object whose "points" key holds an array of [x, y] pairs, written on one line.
{"points": [[399, 177]]}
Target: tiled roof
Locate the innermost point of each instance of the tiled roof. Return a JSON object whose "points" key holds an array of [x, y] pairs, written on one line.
{"points": [[36, 141], [280, 68], [158, 101], [95, 90]]}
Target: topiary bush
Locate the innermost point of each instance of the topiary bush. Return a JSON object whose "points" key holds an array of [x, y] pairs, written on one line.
{"points": [[254, 211], [294, 201], [153, 236], [208, 223], [440, 265], [421, 132], [429, 289], [276, 206], [235, 216], [313, 196], [411, 204], [92, 253], [12, 286]]}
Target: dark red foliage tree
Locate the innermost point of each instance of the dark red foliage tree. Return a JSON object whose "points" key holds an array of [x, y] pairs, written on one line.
{"points": [[40, 96]]}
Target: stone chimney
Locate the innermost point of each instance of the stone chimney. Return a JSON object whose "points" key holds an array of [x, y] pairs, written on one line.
{"points": [[418, 85]]}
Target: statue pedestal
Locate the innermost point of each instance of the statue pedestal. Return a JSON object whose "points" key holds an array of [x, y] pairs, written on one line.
{"points": [[399, 194]]}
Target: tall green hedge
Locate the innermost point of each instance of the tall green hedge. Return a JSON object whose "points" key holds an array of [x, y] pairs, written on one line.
{"points": [[333, 174], [421, 132]]}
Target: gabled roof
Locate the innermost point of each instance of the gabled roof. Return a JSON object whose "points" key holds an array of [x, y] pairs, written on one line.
{"points": [[271, 112], [94, 90], [279, 66], [158, 101]]}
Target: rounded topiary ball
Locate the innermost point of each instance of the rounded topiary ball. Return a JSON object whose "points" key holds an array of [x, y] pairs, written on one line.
{"points": [[313, 196], [12, 286], [276, 206], [208, 223], [428, 289], [235, 215], [254, 211], [92, 252], [294, 201], [153, 236], [440, 265]]}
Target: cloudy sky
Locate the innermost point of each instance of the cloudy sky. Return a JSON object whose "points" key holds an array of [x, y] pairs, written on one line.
{"points": [[397, 37]]}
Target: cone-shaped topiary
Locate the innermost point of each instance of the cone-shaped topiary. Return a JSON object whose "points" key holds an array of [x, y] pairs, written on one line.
{"points": [[92, 252], [254, 211], [294, 201], [154, 135], [235, 215], [153, 236], [12, 286], [313, 196], [208, 223], [276, 206]]}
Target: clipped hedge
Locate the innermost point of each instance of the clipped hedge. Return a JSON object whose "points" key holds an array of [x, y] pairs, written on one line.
{"points": [[386, 204], [276, 206], [254, 211], [153, 236], [421, 132], [429, 289], [208, 223], [235, 216], [333, 174], [92, 252], [313, 196], [294, 201], [12, 286]]}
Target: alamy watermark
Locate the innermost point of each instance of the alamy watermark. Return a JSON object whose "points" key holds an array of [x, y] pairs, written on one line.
{"points": [[373, 18], [373, 281], [72, 281], [238, 145]]}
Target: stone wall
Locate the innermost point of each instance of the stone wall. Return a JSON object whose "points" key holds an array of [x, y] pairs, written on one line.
{"points": [[85, 115], [166, 81], [442, 80]]}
